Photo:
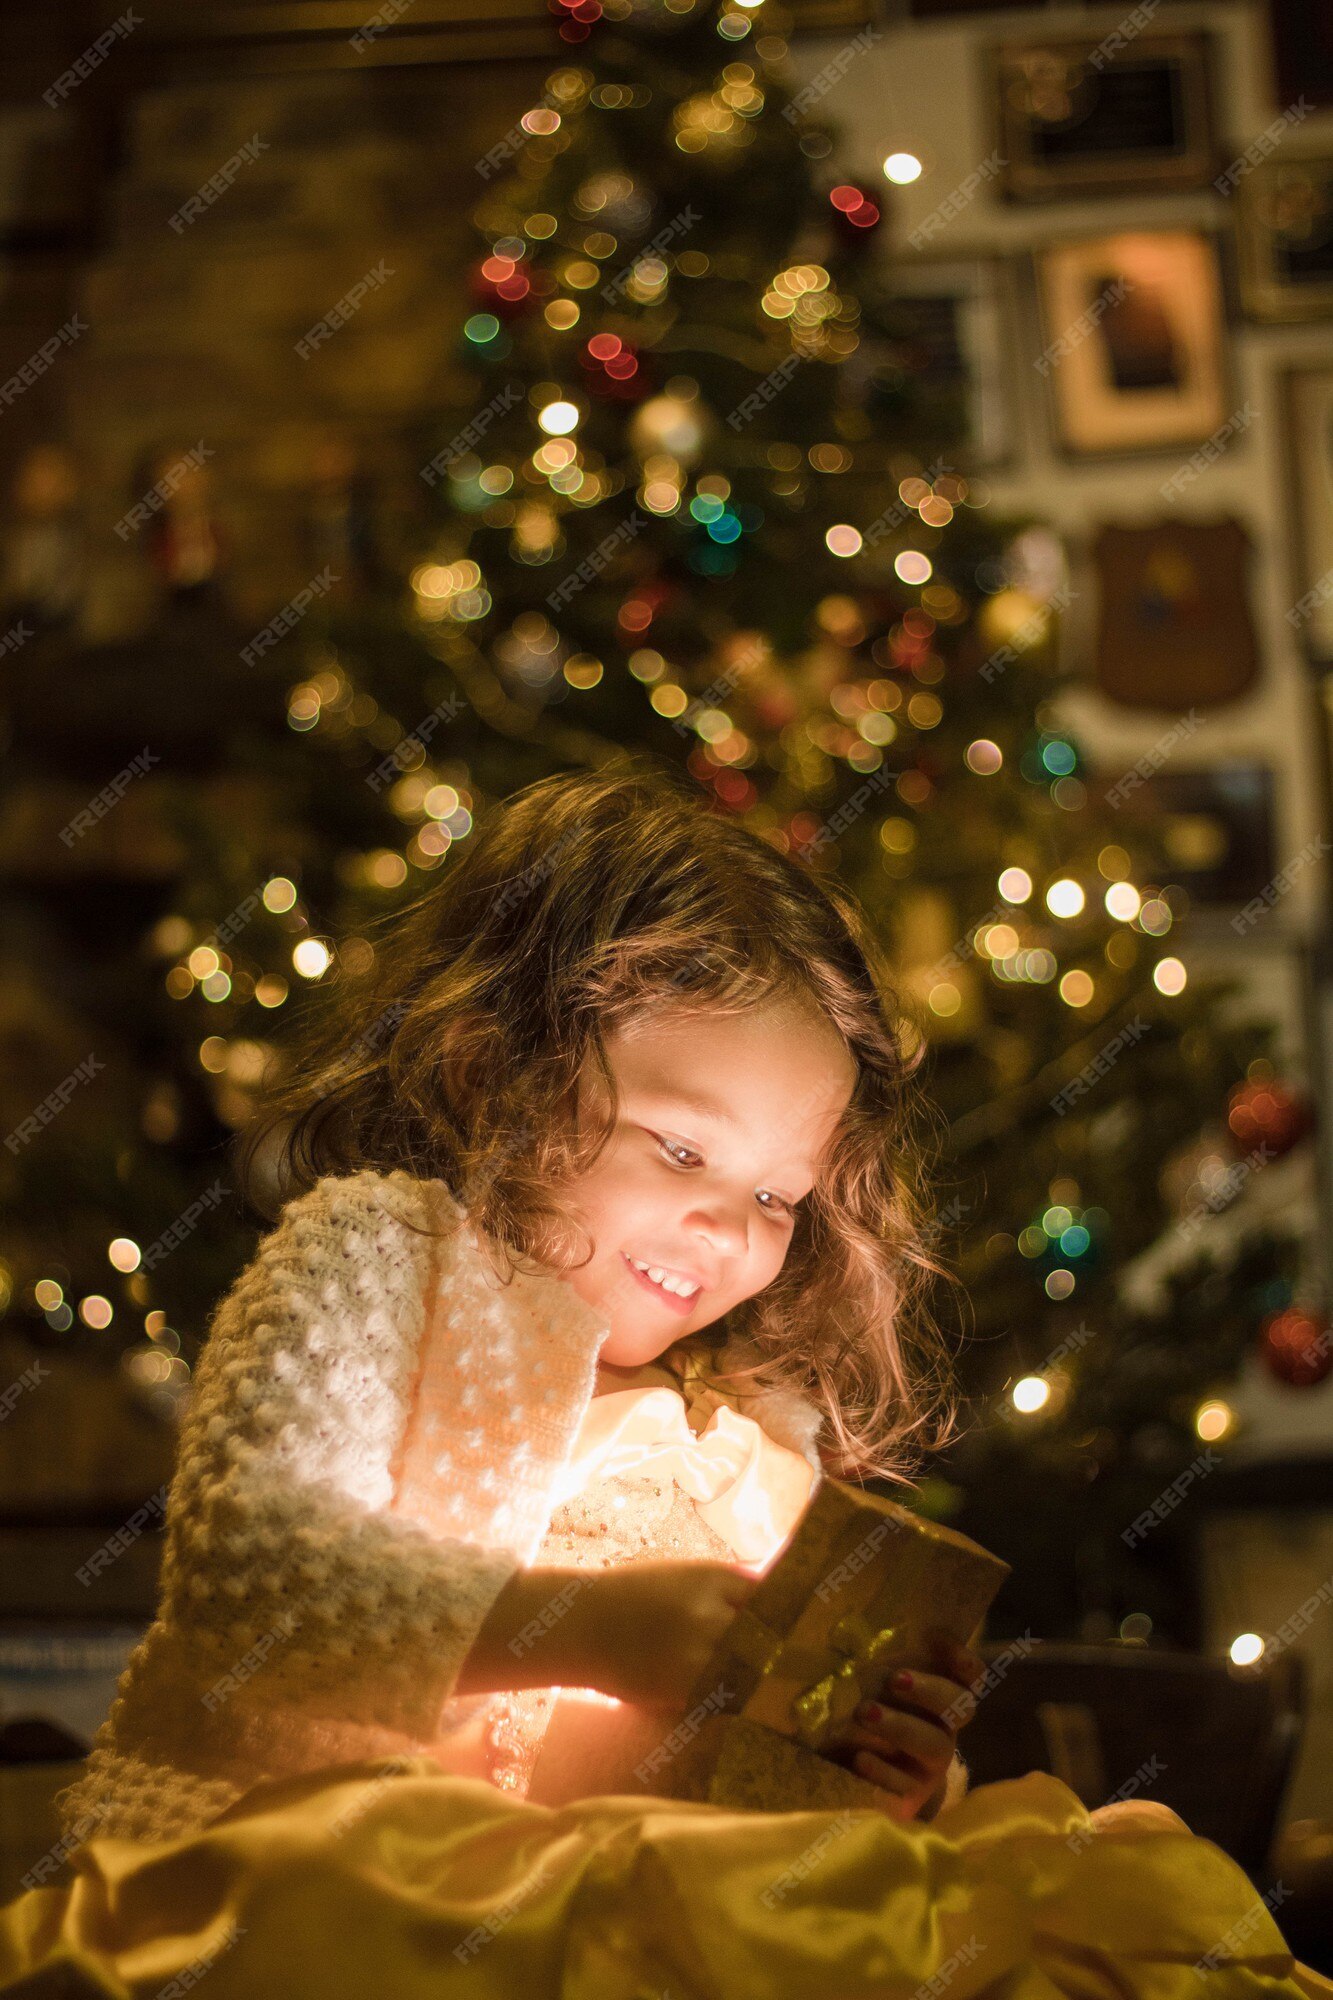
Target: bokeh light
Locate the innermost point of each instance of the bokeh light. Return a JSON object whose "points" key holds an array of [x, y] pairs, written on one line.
{"points": [[1065, 897], [902, 169]]}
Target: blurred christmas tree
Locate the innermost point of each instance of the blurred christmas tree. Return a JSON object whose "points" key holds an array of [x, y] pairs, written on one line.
{"points": [[705, 502]]}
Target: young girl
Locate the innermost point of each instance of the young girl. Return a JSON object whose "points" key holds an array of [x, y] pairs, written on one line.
{"points": [[601, 1244]]}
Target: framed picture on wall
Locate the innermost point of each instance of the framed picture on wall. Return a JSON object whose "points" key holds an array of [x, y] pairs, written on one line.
{"points": [[1132, 341], [1175, 624], [1214, 825], [1302, 51], [1308, 401], [1284, 235], [927, 10], [958, 344], [48, 178], [1079, 118]]}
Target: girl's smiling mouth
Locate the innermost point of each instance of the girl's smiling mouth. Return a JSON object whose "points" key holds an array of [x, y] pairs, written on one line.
{"points": [[682, 1301]]}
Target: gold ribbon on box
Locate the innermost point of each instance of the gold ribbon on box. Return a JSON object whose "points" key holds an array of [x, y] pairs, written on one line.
{"points": [[827, 1695], [830, 1700]]}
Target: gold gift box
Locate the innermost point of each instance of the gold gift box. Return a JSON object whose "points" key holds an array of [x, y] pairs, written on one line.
{"points": [[851, 1597]]}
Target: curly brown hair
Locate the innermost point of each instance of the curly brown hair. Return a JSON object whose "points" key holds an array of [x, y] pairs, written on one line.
{"points": [[582, 902]]}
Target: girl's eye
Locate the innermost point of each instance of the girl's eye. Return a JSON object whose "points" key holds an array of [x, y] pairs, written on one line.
{"points": [[670, 1147]]}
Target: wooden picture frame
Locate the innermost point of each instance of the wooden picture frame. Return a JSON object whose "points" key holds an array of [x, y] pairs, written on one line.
{"points": [[189, 40], [968, 308], [1175, 629], [1215, 825], [929, 10], [1302, 33], [1284, 239], [48, 179], [1307, 403], [1125, 114], [1131, 329]]}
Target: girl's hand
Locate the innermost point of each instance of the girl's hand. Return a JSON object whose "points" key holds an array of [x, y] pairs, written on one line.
{"points": [[905, 1742], [644, 1632]]}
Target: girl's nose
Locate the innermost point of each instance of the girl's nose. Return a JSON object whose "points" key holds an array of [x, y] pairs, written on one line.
{"points": [[722, 1227]]}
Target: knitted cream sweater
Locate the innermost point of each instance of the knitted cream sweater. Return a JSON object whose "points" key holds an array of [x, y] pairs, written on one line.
{"points": [[370, 1452]]}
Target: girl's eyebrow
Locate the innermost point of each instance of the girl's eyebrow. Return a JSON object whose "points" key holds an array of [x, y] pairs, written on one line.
{"points": [[698, 1102]]}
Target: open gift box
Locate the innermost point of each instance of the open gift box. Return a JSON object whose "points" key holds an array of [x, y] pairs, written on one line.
{"points": [[849, 1599]]}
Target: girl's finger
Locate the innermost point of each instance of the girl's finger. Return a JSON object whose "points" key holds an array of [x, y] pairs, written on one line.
{"points": [[933, 1692], [967, 1669], [920, 1770], [886, 1776], [959, 1662], [896, 1730], [893, 1807]]}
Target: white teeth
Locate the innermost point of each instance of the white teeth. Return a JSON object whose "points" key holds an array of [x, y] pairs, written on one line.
{"points": [[685, 1288]]}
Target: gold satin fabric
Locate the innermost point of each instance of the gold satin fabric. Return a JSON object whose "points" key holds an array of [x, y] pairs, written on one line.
{"points": [[394, 1878], [397, 1880]]}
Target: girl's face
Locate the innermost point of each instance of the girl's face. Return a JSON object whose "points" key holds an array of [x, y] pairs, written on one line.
{"points": [[722, 1123]]}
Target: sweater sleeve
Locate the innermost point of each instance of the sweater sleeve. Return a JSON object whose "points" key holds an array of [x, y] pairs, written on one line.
{"points": [[280, 1561]]}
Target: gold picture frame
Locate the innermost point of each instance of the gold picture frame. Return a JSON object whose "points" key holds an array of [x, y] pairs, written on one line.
{"points": [[1132, 332]]}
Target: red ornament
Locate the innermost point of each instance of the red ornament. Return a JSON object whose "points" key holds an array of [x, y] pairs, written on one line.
{"points": [[1296, 1347], [1267, 1114]]}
